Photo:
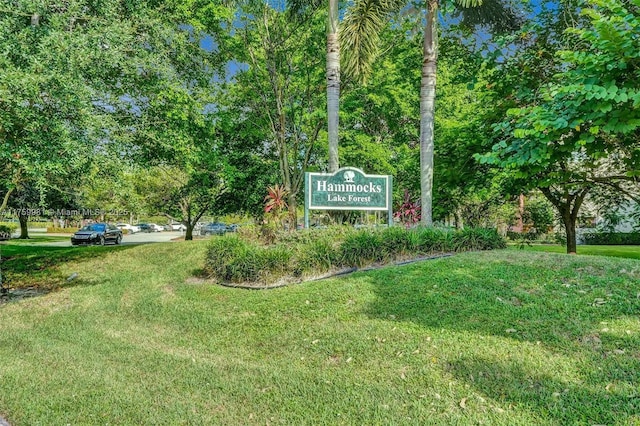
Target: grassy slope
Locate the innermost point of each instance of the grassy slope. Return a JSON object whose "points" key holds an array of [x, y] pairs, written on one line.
{"points": [[631, 252], [507, 337]]}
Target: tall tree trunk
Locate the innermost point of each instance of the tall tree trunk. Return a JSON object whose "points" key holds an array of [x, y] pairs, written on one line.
{"points": [[570, 229], [568, 205], [24, 229], [333, 84], [188, 236], [427, 110], [293, 212]]}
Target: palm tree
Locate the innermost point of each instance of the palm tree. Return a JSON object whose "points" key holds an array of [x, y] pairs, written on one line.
{"points": [[333, 83], [359, 36], [298, 9]]}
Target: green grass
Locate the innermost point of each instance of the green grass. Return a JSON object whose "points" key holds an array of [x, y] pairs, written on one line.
{"points": [[631, 252], [26, 263], [38, 239], [507, 338]]}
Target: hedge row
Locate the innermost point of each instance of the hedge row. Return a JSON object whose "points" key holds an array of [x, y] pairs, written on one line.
{"points": [[612, 238], [305, 253], [6, 230], [57, 230]]}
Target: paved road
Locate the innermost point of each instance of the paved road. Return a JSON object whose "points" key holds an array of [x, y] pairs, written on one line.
{"points": [[139, 238]]}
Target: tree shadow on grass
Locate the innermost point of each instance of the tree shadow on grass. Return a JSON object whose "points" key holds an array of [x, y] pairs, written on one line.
{"points": [[513, 384], [38, 267], [562, 303], [494, 294]]}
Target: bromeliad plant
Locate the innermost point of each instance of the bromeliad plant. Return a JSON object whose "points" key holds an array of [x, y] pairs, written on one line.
{"points": [[409, 211], [275, 210]]}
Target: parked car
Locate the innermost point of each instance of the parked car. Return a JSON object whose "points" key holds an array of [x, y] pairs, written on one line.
{"points": [[97, 233], [131, 229], [232, 228], [155, 227], [150, 227], [177, 227], [213, 228]]}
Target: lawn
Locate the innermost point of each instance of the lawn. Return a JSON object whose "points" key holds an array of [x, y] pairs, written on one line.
{"points": [[508, 337], [631, 252]]}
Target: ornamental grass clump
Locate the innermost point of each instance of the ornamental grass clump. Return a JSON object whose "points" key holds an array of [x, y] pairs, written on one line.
{"points": [[398, 241], [362, 248], [477, 239], [232, 259], [431, 240], [311, 253], [317, 256]]}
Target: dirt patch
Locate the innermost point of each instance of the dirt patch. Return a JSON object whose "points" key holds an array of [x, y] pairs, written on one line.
{"points": [[15, 294]]}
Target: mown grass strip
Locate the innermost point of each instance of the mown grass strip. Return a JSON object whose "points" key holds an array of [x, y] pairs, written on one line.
{"points": [[506, 337], [630, 252]]}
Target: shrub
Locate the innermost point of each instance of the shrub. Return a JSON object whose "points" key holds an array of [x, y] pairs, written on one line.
{"points": [[234, 259], [433, 240], [221, 253], [275, 261], [362, 247], [8, 227], [397, 240], [612, 238], [318, 255], [6, 231], [57, 230], [477, 239], [244, 265]]}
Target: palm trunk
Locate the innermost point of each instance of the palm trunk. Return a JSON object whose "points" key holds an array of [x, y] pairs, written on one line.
{"points": [[427, 110], [333, 83]]}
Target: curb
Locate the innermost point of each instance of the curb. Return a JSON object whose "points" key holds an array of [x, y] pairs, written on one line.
{"points": [[342, 272]]}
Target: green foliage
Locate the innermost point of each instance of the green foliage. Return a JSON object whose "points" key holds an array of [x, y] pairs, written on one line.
{"points": [[317, 255], [612, 238], [9, 228], [433, 239], [538, 214], [569, 125], [231, 259], [222, 252], [398, 241], [58, 230], [306, 236], [477, 239], [362, 248], [274, 103], [467, 324], [589, 107], [310, 253]]}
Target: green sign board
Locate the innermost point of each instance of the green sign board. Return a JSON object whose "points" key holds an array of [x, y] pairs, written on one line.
{"points": [[347, 189]]}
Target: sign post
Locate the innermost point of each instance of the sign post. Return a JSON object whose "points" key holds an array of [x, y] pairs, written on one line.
{"points": [[348, 188]]}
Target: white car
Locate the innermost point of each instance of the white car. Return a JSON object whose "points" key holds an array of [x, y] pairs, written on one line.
{"points": [[154, 227], [178, 227], [131, 229]]}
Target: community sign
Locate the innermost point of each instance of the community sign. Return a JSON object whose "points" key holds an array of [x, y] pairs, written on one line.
{"points": [[347, 189]]}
